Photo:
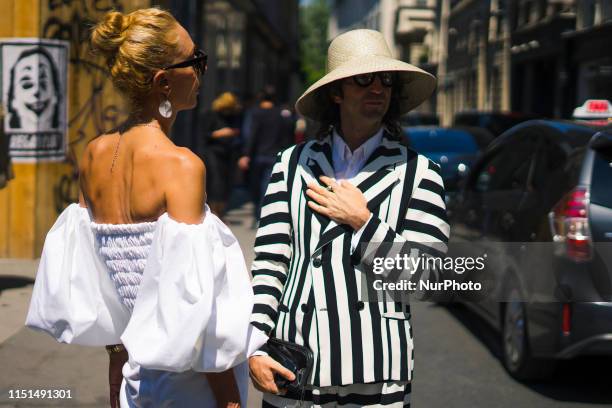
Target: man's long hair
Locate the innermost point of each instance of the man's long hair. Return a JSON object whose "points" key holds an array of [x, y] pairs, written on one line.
{"points": [[331, 111]]}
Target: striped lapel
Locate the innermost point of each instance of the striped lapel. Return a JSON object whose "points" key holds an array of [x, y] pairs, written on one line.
{"points": [[314, 163], [376, 180]]}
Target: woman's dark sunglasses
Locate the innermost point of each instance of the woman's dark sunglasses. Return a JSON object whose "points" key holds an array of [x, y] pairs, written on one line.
{"points": [[364, 80], [198, 62]]}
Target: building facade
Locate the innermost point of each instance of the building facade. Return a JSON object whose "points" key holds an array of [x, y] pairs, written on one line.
{"points": [[588, 57], [539, 75], [541, 57], [250, 44], [409, 27]]}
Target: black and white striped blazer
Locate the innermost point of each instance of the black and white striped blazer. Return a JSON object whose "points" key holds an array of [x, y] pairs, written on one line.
{"points": [[308, 286]]}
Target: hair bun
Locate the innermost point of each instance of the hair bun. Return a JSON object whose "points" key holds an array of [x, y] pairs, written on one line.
{"points": [[109, 34], [134, 46]]}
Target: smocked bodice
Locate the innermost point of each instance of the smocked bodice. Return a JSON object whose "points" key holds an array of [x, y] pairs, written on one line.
{"points": [[124, 248]]}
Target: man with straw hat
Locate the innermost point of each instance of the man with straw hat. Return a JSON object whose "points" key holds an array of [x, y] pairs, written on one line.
{"points": [[329, 201]]}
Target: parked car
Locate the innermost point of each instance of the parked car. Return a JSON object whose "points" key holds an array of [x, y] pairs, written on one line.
{"points": [[455, 149], [538, 202], [420, 119], [495, 122]]}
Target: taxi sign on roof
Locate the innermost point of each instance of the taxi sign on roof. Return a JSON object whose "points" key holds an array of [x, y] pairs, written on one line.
{"points": [[594, 109]]}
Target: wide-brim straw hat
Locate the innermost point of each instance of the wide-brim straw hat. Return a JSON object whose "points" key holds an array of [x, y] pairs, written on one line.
{"points": [[359, 52]]}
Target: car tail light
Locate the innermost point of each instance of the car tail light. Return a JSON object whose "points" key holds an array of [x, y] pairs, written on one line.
{"points": [[569, 225], [566, 325]]}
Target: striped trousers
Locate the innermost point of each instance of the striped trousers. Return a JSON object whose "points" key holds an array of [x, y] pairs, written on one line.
{"points": [[394, 394]]}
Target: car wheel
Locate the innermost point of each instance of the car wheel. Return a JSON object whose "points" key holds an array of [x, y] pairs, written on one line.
{"points": [[515, 345]]}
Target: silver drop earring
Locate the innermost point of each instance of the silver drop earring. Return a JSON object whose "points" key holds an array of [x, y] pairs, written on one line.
{"points": [[165, 108]]}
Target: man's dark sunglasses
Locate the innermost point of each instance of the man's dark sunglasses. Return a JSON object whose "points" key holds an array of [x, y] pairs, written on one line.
{"points": [[364, 80], [198, 62]]}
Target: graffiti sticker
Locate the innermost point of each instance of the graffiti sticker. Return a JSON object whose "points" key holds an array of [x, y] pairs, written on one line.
{"points": [[34, 97]]}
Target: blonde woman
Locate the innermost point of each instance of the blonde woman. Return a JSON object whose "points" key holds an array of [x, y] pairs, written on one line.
{"points": [[141, 265]]}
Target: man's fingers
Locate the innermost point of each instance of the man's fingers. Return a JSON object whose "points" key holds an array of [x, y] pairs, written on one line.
{"points": [[316, 196], [318, 189], [268, 386], [318, 208], [282, 370], [262, 373], [328, 180], [337, 185]]}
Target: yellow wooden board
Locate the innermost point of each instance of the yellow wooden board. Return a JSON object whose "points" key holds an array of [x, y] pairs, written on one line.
{"points": [[31, 202]]}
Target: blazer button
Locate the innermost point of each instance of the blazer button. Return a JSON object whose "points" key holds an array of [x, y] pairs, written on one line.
{"points": [[317, 262], [360, 305], [304, 308]]}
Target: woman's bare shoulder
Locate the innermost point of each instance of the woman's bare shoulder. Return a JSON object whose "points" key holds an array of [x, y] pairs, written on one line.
{"points": [[185, 186], [178, 161]]}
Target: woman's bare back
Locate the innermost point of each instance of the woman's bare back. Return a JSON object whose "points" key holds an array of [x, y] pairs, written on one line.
{"points": [[150, 175]]}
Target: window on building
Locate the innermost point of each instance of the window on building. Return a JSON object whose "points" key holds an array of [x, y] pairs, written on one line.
{"points": [[496, 88], [606, 11], [501, 20], [541, 10], [588, 19], [527, 13], [472, 40]]}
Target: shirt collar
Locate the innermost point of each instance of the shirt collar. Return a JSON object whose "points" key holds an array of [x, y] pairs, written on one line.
{"points": [[341, 149]]}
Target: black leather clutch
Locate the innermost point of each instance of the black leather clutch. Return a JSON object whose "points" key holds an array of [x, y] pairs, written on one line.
{"points": [[297, 359]]}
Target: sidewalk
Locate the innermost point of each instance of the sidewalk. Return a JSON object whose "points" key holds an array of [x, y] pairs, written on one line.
{"points": [[16, 278], [33, 360]]}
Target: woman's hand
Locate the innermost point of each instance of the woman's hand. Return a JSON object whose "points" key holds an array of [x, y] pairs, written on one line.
{"points": [[344, 203], [262, 370], [224, 388], [116, 361]]}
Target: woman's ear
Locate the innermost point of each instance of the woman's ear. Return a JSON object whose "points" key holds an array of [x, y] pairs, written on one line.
{"points": [[160, 82]]}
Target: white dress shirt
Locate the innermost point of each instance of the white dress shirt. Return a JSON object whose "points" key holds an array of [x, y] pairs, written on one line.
{"points": [[347, 164]]}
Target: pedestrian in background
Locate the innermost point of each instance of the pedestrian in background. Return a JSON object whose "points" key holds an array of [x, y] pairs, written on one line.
{"points": [[331, 201], [271, 131], [221, 150]]}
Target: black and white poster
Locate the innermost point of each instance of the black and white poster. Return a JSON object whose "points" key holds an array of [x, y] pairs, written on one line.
{"points": [[34, 98]]}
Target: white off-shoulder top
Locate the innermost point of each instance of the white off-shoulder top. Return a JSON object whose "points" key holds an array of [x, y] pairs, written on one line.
{"points": [[178, 296]]}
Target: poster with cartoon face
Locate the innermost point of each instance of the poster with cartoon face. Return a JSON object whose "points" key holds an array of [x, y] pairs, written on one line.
{"points": [[34, 98]]}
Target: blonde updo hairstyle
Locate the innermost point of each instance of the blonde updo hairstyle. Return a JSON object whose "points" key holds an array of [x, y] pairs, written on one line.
{"points": [[135, 46], [226, 102]]}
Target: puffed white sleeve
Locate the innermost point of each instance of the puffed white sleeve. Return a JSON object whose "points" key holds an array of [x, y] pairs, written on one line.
{"points": [[73, 298], [194, 302]]}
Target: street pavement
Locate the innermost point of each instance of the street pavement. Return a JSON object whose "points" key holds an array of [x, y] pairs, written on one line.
{"points": [[456, 356]]}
